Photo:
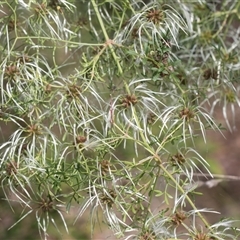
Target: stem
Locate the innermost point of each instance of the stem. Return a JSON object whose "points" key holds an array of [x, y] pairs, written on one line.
{"points": [[187, 197], [155, 156], [107, 41], [106, 35], [152, 187]]}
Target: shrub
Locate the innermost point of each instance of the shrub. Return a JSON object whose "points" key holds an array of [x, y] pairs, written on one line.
{"points": [[107, 101]]}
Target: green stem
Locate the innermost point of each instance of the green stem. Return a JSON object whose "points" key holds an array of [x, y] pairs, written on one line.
{"points": [[169, 175], [110, 44], [187, 197], [106, 35], [152, 195]]}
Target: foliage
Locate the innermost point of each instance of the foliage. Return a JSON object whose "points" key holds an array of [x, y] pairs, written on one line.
{"points": [[106, 100]]}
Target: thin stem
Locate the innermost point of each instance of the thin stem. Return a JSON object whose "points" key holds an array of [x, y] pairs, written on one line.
{"points": [[106, 35], [187, 197], [109, 43], [153, 186], [156, 156]]}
